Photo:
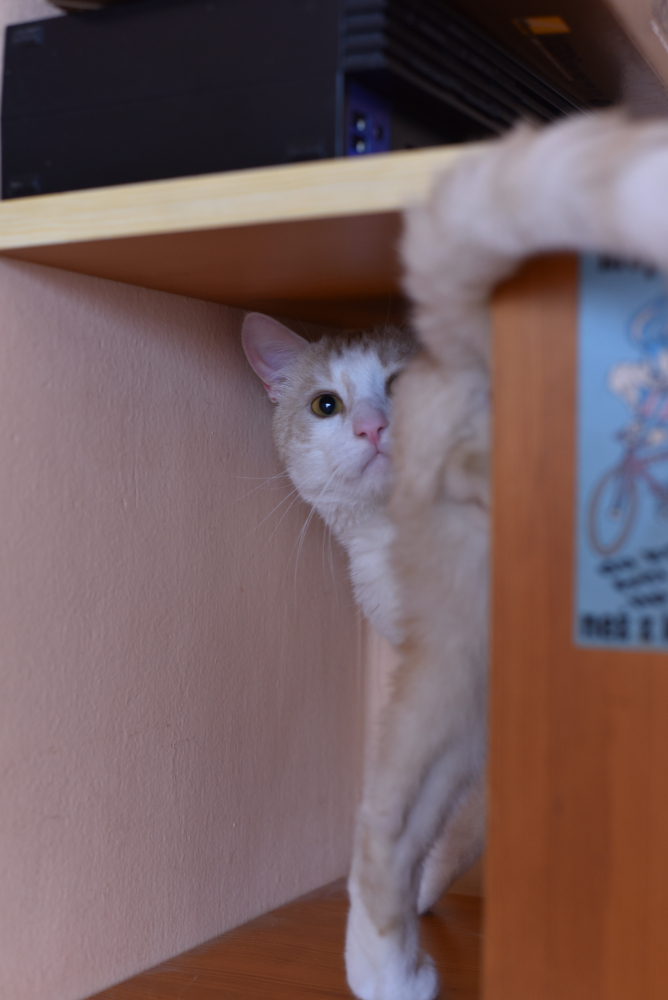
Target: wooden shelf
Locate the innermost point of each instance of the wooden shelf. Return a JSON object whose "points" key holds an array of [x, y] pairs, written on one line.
{"points": [[296, 952], [315, 241]]}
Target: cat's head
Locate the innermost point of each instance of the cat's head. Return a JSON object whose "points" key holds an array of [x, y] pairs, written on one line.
{"points": [[333, 410]]}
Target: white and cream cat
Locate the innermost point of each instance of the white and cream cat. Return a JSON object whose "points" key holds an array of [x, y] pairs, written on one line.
{"points": [[596, 183], [332, 431]]}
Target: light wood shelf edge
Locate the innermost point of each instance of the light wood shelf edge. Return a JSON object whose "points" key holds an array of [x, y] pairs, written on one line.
{"points": [[326, 189]]}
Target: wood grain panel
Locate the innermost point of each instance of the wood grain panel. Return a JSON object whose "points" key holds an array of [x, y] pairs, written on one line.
{"points": [[342, 271], [576, 872], [296, 953]]}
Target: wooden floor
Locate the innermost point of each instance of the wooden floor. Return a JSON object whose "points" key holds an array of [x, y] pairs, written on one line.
{"points": [[296, 952]]}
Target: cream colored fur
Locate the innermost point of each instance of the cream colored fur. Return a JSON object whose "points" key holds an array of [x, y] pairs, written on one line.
{"points": [[597, 183]]}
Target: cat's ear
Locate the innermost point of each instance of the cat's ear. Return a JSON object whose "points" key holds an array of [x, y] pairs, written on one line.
{"points": [[271, 350]]}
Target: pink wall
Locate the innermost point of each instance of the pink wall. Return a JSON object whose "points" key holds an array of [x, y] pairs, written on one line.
{"points": [[181, 710]]}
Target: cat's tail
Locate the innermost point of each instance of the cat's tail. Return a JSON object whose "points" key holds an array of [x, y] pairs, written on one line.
{"points": [[598, 182]]}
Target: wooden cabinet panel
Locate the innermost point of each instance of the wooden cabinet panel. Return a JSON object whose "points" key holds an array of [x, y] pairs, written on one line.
{"points": [[576, 875]]}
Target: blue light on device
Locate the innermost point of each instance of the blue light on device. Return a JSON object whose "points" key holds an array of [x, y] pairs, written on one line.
{"points": [[368, 122]]}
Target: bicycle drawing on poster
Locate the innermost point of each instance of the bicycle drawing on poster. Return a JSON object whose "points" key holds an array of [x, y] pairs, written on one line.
{"points": [[642, 384]]}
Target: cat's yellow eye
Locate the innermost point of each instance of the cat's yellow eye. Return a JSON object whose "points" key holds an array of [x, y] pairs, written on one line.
{"points": [[326, 405], [389, 384]]}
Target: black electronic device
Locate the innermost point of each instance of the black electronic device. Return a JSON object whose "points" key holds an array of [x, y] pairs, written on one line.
{"points": [[167, 88]]}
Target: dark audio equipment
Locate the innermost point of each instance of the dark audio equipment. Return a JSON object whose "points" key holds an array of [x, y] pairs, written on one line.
{"points": [[167, 88]]}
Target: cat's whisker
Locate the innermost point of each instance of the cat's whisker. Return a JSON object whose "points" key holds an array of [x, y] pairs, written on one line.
{"points": [[278, 475], [327, 538], [265, 481], [302, 534], [299, 543], [296, 500], [331, 564], [324, 539], [273, 511]]}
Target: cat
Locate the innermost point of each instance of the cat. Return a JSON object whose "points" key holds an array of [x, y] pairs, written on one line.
{"points": [[594, 183], [332, 430]]}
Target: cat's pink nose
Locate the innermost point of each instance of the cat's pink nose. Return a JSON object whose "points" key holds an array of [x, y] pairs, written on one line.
{"points": [[369, 422]]}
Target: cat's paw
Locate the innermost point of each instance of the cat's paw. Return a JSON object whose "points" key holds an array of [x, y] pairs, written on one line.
{"points": [[379, 969]]}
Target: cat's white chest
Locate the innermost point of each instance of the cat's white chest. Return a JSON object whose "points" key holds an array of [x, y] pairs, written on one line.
{"points": [[368, 546]]}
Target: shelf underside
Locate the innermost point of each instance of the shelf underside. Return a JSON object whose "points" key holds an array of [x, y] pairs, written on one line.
{"points": [[342, 271], [297, 952], [314, 241]]}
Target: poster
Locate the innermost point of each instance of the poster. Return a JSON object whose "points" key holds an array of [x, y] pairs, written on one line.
{"points": [[621, 591]]}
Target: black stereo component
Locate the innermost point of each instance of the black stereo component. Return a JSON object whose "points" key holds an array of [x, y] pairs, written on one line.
{"points": [[167, 88]]}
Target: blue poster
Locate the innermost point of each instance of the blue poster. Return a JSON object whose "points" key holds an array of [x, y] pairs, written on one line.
{"points": [[621, 588]]}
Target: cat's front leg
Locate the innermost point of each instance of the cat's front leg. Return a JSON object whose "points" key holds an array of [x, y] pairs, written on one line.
{"points": [[383, 957], [457, 848], [429, 755]]}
